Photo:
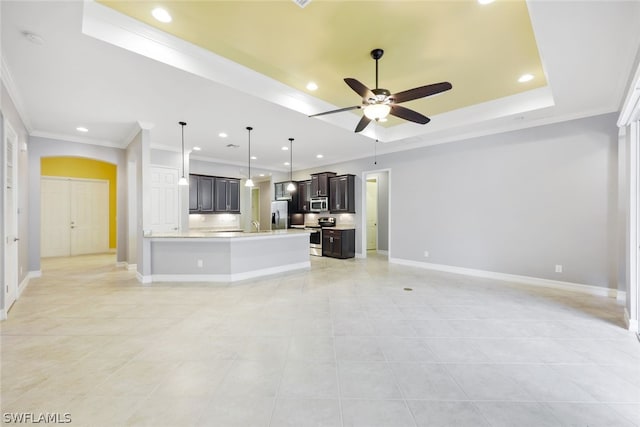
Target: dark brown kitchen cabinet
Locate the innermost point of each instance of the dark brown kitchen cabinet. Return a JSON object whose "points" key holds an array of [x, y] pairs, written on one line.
{"points": [[227, 195], [281, 192], [209, 194], [304, 196], [342, 194], [338, 243], [201, 194], [320, 184]]}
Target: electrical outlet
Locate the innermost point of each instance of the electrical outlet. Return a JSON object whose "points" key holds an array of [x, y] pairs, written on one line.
{"points": [[200, 263], [426, 254], [558, 268]]}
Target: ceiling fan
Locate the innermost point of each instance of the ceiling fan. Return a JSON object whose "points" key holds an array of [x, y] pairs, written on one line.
{"points": [[379, 102]]}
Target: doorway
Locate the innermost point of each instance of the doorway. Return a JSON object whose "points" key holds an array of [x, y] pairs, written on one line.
{"points": [[372, 214], [74, 216], [376, 188], [255, 207], [10, 216]]}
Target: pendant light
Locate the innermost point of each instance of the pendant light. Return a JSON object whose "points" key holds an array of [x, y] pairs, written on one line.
{"points": [[291, 187], [249, 182], [183, 180]]}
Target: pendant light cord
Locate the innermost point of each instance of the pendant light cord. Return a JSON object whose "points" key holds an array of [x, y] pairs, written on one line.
{"points": [[183, 124], [249, 128], [291, 160]]}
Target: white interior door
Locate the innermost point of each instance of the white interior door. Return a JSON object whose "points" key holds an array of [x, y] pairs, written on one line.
{"points": [[55, 218], [89, 210], [372, 214], [165, 199], [10, 216], [74, 216]]}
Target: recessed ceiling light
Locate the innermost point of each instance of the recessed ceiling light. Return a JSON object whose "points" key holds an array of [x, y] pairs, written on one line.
{"points": [[525, 78], [161, 15], [222, 135], [285, 148], [254, 158], [197, 148], [485, 1], [312, 86], [82, 129], [286, 163], [319, 156]]}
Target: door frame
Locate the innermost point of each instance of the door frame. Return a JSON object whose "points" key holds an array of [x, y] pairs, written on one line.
{"points": [[366, 195], [10, 228], [363, 209]]}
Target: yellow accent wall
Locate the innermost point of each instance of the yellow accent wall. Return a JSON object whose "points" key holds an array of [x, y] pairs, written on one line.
{"points": [[79, 167]]}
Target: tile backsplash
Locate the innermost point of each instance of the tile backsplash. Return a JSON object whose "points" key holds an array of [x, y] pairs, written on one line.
{"points": [[215, 221]]}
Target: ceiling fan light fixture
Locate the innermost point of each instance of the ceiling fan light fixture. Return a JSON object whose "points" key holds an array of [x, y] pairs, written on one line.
{"points": [[377, 111]]}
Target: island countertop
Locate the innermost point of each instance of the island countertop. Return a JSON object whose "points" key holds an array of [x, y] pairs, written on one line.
{"points": [[223, 256], [216, 234]]}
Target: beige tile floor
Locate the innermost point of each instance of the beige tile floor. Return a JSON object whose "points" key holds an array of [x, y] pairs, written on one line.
{"points": [[340, 345]]}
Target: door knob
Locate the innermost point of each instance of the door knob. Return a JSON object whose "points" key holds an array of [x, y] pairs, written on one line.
{"points": [[15, 239]]}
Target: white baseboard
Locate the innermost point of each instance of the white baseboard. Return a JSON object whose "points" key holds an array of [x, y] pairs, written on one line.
{"points": [[126, 265], [360, 255], [25, 282], [132, 267], [3, 314], [527, 280], [121, 264], [229, 277], [143, 279], [632, 324], [381, 252]]}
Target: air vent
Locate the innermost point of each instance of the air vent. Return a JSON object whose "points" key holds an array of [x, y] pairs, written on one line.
{"points": [[302, 3], [232, 146]]}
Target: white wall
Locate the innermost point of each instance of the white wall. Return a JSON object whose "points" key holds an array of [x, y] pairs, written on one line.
{"points": [[518, 202]]}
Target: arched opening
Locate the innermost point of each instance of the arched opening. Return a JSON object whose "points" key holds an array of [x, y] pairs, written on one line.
{"points": [[78, 206]]}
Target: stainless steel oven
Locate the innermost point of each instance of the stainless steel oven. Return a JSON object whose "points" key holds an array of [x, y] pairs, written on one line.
{"points": [[315, 237], [315, 240]]}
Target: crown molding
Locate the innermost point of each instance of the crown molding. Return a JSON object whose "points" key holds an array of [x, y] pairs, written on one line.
{"points": [[7, 79], [78, 139]]}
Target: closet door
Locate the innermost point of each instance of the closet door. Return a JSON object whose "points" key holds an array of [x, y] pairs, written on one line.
{"points": [[55, 219], [74, 217], [89, 217]]}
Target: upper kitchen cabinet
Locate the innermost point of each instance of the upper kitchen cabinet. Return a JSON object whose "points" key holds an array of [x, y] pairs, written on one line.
{"points": [[320, 184], [281, 192], [342, 194], [227, 195], [304, 196], [201, 192], [208, 194]]}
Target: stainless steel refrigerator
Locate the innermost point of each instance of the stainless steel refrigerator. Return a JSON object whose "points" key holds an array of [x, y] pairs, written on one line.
{"points": [[279, 215]]}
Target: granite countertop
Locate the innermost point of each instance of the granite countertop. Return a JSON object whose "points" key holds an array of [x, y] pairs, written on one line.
{"points": [[225, 234]]}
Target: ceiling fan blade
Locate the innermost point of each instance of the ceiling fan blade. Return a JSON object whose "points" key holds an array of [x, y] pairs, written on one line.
{"points": [[337, 111], [407, 114], [364, 121], [420, 92], [359, 88]]}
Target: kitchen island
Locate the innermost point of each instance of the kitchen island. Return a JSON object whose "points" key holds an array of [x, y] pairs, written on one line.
{"points": [[219, 256]]}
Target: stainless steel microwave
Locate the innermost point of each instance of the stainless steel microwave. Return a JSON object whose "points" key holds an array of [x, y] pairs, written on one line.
{"points": [[319, 204]]}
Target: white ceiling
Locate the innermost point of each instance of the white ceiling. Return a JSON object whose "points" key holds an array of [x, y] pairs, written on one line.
{"points": [[124, 73]]}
